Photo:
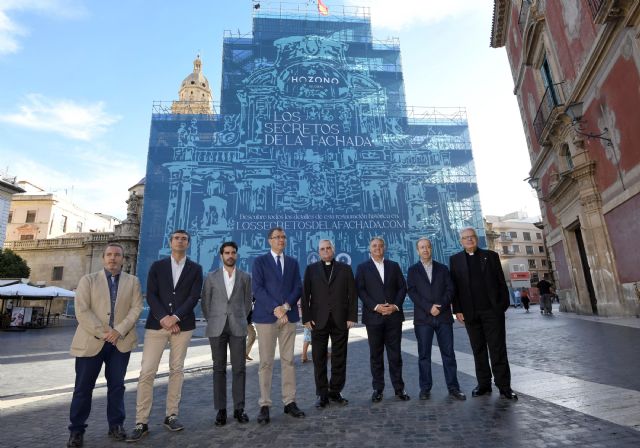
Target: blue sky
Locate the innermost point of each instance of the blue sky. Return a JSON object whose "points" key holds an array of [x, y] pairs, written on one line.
{"points": [[79, 77]]}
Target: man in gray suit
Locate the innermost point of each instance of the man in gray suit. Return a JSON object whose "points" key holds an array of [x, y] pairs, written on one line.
{"points": [[226, 303]]}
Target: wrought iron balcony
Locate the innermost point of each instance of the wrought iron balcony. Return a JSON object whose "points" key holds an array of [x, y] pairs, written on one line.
{"points": [[551, 99]]}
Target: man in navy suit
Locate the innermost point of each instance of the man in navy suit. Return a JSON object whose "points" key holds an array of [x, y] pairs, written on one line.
{"points": [[174, 285], [431, 290], [276, 288], [382, 289], [480, 301]]}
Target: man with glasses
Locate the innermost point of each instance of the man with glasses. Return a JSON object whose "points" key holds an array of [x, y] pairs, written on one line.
{"points": [[480, 301], [276, 288]]}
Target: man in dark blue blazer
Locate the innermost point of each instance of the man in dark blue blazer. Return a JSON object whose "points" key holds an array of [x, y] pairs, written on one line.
{"points": [[431, 291], [174, 285], [382, 289], [276, 287]]}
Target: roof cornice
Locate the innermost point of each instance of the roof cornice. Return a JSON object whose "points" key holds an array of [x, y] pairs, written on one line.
{"points": [[501, 11]]}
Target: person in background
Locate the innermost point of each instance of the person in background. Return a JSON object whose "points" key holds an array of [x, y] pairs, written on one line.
{"points": [[524, 296]]}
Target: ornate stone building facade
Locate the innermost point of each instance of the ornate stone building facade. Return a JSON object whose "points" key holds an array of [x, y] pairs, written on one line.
{"points": [[522, 249], [8, 188], [63, 261], [576, 70]]}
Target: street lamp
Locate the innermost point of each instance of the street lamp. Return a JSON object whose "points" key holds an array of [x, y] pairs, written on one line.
{"points": [[574, 111]]}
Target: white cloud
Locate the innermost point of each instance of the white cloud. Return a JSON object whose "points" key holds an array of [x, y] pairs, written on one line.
{"points": [[11, 31], [398, 14], [62, 116], [97, 184]]}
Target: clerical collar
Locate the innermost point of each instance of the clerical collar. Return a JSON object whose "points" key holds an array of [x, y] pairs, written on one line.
{"points": [[471, 253], [328, 263]]}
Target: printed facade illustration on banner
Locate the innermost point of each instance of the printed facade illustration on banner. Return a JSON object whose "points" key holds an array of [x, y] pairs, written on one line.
{"points": [[312, 135]]}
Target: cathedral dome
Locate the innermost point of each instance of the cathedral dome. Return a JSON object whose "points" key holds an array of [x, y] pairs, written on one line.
{"points": [[196, 79], [194, 96]]}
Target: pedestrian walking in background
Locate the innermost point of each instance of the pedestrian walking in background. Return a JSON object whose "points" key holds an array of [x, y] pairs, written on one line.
{"points": [[524, 297]]}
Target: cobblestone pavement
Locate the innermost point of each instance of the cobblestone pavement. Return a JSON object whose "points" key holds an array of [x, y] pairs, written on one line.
{"points": [[577, 380]]}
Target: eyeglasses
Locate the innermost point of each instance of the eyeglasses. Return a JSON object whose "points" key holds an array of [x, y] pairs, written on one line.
{"points": [[278, 237], [468, 238]]}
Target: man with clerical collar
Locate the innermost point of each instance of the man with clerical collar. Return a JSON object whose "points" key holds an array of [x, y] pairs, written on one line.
{"points": [[108, 304], [382, 289], [431, 290], [329, 310], [480, 301]]}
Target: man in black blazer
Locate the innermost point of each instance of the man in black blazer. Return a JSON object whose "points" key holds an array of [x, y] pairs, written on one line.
{"points": [[174, 285], [480, 301], [431, 291], [382, 289], [329, 310]]}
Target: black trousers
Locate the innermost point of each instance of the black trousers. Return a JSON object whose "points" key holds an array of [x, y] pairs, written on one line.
{"points": [[320, 341], [488, 340], [237, 346], [387, 335]]}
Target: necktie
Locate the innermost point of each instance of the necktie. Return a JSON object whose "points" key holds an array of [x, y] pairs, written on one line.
{"points": [[279, 265]]}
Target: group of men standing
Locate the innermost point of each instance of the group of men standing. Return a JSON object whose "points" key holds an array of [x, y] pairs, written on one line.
{"points": [[109, 302]]}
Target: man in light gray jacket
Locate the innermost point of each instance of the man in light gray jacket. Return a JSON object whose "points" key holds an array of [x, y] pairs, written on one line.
{"points": [[226, 303]]}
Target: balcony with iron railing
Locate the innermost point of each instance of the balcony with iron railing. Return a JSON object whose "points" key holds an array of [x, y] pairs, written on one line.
{"points": [[551, 100]]}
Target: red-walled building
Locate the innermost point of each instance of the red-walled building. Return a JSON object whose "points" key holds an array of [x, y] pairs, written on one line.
{"points": [[576, 70]]}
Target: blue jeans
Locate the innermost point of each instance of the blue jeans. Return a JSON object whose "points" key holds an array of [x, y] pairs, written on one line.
{"points": [[87, 371], [444, 334]]}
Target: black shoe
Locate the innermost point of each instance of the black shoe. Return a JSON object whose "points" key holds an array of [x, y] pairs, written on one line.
{"points": [[322, 401], [240, 415], [508, 394], [139, 431], [480, 390], [263, 416], [172, 423], [402, 395], [117, 432], [376, 397], [425, 394], [221, 418], [455, 393], [75, 439], [293, 410], [337, 397]]}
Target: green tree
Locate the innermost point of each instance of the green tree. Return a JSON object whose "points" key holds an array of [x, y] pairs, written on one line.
{"points": [[13, 265]]}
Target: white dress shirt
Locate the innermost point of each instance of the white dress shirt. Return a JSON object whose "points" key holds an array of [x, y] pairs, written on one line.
{"points": [[176, 269], [229, 281], [428, 267], [275, 258], [380, 268]]}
